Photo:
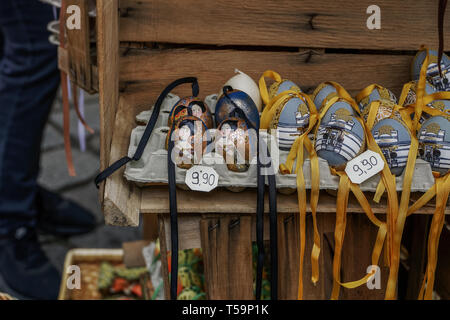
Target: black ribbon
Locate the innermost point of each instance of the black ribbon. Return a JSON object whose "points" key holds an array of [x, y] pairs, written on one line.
{"points": [[148, 130], [171, 174], [441, 15], [260, 209]]}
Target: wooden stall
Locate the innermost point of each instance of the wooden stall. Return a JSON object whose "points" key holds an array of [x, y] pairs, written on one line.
{"points": [[142, 45]]}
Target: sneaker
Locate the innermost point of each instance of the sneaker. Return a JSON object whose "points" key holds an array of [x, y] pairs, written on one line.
{"points": [[25, 271], [62, 217]]}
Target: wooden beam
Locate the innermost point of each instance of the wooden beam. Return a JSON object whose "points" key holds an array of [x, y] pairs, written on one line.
{"points": [[156, 200], [108, 64], [308, 23], [122, 200], [145, 73], [227, 256]]}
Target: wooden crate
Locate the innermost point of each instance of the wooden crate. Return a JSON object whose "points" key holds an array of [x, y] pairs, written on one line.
{"points": [[145, 44]]}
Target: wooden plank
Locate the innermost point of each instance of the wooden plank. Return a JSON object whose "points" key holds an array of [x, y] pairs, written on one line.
{"points": [[442, 282], [359, 240], [189, 229], [405, 25], [63, 64], [288, 256], [145, 73], [122, 200], [156, 200], [108, 65], [79, 51], [150, 227], [164, 256], [227, 254], [289, 248]]}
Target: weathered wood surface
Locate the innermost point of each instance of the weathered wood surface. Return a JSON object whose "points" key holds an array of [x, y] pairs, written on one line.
{"points": [[63, 64], [309, 23], [122, 200], [108, 69], [145, 73], [359, 240], [156, 200], [79, 50], [227, 255]]}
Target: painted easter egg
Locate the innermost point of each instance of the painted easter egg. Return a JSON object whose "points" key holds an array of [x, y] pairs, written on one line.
{"points": [[394, 140], [191, 106], [434, 143], [411, 99], [189, 144], [284, 85], [323, 93], [385, 110], [411, 96], [243, 82], [236, 143], [237, 99], [338, 105], [433, 76], [291, 119], [340, 139], [377, 94]]}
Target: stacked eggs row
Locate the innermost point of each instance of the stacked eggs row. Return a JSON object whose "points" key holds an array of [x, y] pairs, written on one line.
{"points": [[236, 112], [340, 135], [434, 132]]}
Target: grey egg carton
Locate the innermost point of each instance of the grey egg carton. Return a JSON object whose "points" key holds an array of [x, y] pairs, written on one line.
{"points": [[152, 167]]}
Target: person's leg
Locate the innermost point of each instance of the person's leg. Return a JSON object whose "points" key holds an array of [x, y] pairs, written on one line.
{"points": [[29, 80]]}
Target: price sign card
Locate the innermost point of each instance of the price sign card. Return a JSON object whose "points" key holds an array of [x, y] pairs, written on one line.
{"points": [[201, 178], [364, 166]]}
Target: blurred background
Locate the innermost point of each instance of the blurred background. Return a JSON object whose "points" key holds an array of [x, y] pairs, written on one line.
{"points": [[81, 188]]}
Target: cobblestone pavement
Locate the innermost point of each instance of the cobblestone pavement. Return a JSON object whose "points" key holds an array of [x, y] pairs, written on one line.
{"points": [[81, 188]]}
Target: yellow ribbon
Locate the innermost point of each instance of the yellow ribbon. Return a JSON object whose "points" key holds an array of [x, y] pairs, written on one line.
{"points": [[263, 87], [442, 188], [342, 200], [407, 181], [273, 106], [341, 209]]}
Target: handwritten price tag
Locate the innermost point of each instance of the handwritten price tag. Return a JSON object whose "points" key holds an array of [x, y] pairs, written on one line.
{"points": [[364, 166], [201, 178]]}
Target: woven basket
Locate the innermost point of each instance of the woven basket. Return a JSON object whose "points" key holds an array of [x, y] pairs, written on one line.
{"points": [[75, 256]]}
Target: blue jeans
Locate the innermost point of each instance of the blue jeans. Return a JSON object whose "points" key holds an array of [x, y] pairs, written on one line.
{"points": [[29, 80]]}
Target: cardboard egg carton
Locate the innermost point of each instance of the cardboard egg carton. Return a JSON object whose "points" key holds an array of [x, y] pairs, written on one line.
{"points": [[152, 167]]}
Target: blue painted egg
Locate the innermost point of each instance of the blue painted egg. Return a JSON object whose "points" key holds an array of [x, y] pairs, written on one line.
{"points": [[323, 93], [394, 140], [434, 143], [278, 87], [338, 105], [340, 139], [236, 143], [189, 144], [433, 76], [290, 120], [226, 109], [385, 110], [411, 96], [377, 94], [411, 99], [191, 106]]}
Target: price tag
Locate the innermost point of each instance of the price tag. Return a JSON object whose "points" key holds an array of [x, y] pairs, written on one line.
{"points": [[364, 166], [201, 178]]}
